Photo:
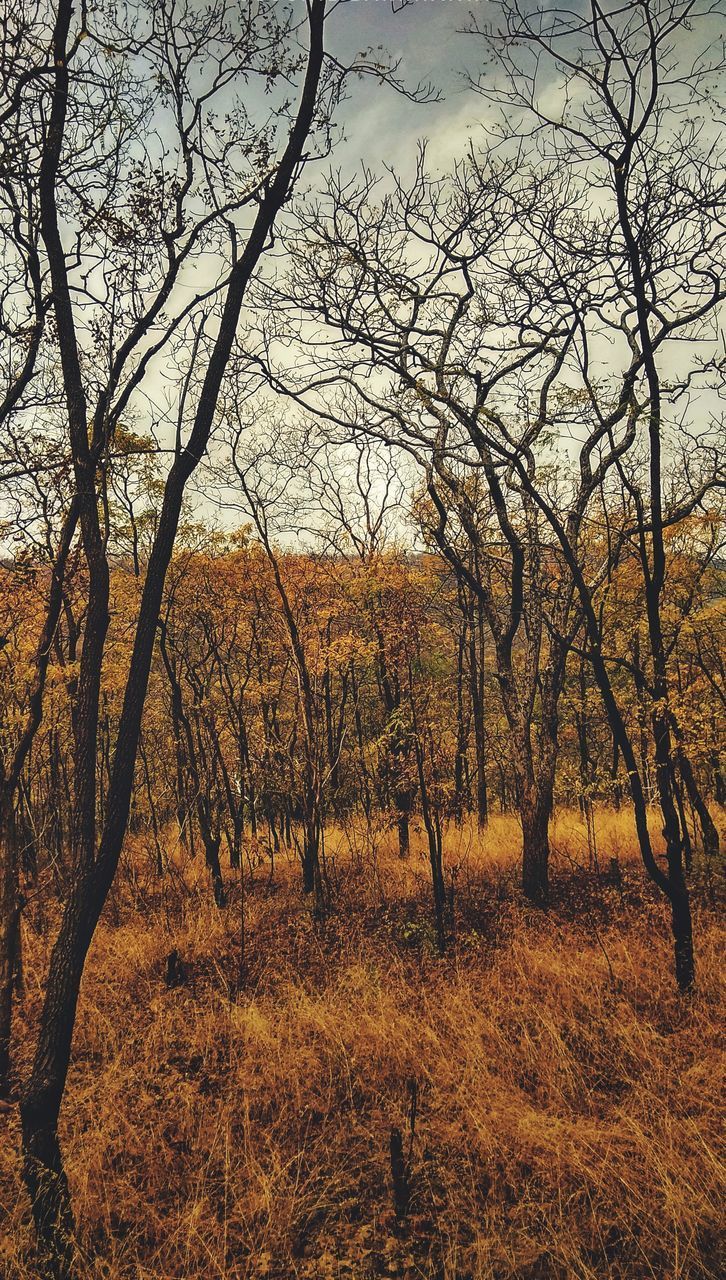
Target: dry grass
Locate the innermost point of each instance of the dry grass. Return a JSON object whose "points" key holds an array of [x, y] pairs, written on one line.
{"points": [[569, 1100]]}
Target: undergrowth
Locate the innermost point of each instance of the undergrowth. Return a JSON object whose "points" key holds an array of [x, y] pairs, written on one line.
{"points": [[559, 1104]]}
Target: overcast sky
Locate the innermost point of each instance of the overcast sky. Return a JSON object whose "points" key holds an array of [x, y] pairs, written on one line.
{"points": [[428, 38]]}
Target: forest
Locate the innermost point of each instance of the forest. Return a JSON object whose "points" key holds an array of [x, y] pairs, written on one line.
{"points": [[362, 578]]}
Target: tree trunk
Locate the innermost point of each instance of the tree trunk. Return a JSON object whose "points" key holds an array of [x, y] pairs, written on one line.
{"points": [[476, 678], [461, 799], [682, 936], [535, 811], [404, 839], [9, 926], [42, 1160], [365, 790], [310, 856], [709, 831], [311, 869], [211, 856], [433, 831], [432, 823]]}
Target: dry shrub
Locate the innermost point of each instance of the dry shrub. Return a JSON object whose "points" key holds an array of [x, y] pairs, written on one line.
{"points": [[568, 1099]]}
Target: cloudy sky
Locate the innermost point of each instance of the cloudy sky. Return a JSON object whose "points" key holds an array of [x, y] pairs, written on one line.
{"points": [[429, 40]]}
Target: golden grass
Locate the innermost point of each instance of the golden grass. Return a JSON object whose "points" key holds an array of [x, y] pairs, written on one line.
{"points": [[569, 1101]]}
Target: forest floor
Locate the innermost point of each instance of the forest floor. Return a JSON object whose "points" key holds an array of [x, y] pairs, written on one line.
{"points": [[568, 1103]]}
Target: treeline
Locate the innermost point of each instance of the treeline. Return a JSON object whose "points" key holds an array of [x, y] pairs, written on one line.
{"points": [[290, 690]]}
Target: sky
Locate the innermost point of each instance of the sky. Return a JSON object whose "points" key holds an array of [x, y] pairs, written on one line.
{"points": [[427, 37]]}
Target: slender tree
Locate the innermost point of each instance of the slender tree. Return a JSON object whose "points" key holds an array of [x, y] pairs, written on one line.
{"points": [[257, 47]]}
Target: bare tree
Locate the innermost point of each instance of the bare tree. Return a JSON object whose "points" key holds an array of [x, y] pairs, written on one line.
{"points": [[265, 478], [197, 203], [451, 290], [534, 298], [631, 121]]}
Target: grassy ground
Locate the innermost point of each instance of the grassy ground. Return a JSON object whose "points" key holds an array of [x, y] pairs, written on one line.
{"points": [[568, 1119]]}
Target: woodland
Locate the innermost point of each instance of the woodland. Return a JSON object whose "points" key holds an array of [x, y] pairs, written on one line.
{"points": [[361, 643]]}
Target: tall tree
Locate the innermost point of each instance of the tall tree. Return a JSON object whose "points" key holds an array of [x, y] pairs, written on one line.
{"points": [[203, 194], [634, 129]]}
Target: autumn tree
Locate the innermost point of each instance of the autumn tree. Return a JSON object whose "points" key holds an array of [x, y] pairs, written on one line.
{"points": [[409, 277], [205, 193], [634, 133]]}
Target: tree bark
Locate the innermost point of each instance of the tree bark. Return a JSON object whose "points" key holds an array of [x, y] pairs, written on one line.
{"points": [[9, 926], [476, 677], [535, 814], [709, 830]]}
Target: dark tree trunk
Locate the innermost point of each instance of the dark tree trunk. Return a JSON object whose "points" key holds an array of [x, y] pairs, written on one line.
{"points": [[476, 682], [709, 831], [682, 936], [535, 812], [42, 1160], [310, 855], [404, 838], [461, 799], [9, 936], [9, 782], [311, 864], [211, 857], [152, 809], [360, 740], [432, 823], [179, 788], [210, 839], [685, 833]]}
